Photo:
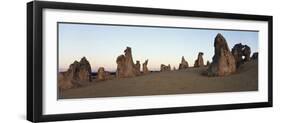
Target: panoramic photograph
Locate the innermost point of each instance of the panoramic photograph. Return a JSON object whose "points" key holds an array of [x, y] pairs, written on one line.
{"points": [[102, 60]]}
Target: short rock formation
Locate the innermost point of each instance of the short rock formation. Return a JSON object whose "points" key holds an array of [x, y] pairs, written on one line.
{"points": [[125, 65], [199, 62], [255, 56], [77, 73], [137, 67], [145, 68], [102, 74], [208, 63], [165, 68], [183, 64], [223, 61]]}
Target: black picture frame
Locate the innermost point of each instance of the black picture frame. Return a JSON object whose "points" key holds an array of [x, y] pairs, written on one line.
{"points": [[34, 60]]}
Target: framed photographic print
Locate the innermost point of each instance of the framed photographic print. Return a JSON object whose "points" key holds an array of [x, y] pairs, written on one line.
{"points": [[95, 61]]}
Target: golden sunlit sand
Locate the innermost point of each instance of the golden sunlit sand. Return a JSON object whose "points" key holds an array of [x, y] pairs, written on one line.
{"points": [[186, 81]]}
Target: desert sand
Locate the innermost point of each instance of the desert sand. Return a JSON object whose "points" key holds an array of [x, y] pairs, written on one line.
{"points": [[185, 81]]}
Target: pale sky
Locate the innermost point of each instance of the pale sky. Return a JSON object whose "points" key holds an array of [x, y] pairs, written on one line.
{"points": [[102, 44]]}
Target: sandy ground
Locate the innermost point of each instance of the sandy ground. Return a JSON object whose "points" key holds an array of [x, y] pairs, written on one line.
{"points": [[171, 82]]}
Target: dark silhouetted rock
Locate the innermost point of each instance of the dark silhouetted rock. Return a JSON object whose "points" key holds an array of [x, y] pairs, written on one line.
{"points": [[145, 68], [247, 53], [169, 67], [223, 61], [77, 73], [165, 68], [255, 56], [239, 51], [208, 63], [183, 64], [125, 65], [199, 62]]}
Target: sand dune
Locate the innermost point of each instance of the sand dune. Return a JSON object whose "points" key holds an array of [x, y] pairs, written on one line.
{"points": [[170, 82]]}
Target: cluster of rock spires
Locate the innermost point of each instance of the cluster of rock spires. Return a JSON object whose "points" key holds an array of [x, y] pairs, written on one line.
{"points": [[125, 65], [127, 68], [77, 73], [224, 62]]}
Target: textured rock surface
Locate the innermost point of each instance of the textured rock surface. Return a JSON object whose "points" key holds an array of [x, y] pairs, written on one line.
{"points": [[183, 64], [102, 74], [247, 53], [84, 70], [237, 52], [77, 73], [65, 82], [145, 68], [223, 61], [165, 68], [138, 67], [125, 65], [255, 56], [199, 62]]}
